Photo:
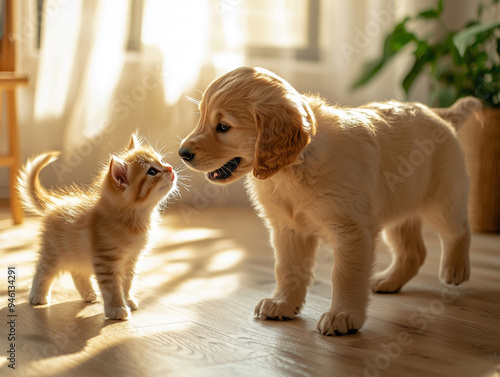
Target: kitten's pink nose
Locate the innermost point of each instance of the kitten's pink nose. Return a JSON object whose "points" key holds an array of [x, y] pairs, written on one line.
{"points": [[169, 169]]}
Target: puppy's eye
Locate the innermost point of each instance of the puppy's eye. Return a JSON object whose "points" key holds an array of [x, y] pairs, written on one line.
{"points": [[152, 171], [221, 127]]}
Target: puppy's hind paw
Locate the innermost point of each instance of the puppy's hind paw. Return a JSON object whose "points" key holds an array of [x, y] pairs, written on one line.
{"points": [[339, 323], [271, 308], [386, 283]]}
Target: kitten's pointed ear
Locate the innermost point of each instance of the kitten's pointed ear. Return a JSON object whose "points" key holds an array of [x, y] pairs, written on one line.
{"points": [[118, 170], [134, 142]]}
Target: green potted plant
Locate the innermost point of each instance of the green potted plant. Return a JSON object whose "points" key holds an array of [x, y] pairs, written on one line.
{"points": [[458, 63]]}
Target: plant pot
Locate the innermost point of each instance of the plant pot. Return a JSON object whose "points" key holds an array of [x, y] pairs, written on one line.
{"points": [[480, 141]]}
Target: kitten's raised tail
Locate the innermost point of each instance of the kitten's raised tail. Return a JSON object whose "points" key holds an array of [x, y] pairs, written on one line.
{"points": [[32, 193]]}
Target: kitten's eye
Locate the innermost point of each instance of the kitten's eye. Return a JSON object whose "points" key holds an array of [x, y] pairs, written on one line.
{"points": [[152, 171], [221, 127]]}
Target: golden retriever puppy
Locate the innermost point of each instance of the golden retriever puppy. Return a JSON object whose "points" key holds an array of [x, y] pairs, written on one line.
{"points": [[341, 174]]}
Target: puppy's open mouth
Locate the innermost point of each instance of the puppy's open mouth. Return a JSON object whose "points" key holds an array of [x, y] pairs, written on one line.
{"points": [[225, 171]]}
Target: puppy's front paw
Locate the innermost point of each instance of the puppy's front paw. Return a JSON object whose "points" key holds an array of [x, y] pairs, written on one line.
{"points": [[339, 323], [455, 273], [279, 309], [121, 312], [131, 303]]}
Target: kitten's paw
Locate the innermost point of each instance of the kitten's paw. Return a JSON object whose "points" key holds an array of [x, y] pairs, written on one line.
{"points": [[272, 308], [90, 297], [37, 299], [132, 303], [121, 312], [455, 273], [339, 323]]}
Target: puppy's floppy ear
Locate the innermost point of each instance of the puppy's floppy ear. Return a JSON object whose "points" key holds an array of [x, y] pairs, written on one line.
{"points": [[283, 131]]}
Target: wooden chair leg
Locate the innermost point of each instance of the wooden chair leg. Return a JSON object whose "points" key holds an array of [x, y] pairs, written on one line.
{"points": [[15, 202]]}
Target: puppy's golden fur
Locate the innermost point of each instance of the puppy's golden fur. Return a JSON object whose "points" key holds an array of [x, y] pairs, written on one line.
{"points": [[342, 174]]}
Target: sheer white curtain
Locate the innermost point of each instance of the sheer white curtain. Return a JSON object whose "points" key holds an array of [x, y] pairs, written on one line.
{"points": [[89, 90]]}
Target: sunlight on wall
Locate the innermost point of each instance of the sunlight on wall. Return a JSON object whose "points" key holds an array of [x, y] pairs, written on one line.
{"points": [[57, 58], [227, 61], [179, 29], [276, 23], [229, 48]]}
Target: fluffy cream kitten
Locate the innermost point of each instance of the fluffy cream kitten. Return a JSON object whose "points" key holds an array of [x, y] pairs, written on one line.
{"points": [[98, 230]]}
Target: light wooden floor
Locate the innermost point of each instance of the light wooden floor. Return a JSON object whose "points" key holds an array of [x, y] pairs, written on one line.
{"points": [[197, 293]]}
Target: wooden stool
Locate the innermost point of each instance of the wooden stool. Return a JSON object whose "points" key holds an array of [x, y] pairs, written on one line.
{"points": [[9, 81]]}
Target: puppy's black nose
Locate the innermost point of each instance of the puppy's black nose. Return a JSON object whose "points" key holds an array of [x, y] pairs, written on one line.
{"points": [[186, 154]]}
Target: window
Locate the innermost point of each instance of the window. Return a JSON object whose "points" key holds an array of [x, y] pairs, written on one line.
{"points": [[281, 28]]}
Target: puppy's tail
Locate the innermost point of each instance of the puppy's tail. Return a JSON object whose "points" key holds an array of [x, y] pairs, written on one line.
{"points": [[32, 193], [458, 113]]}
